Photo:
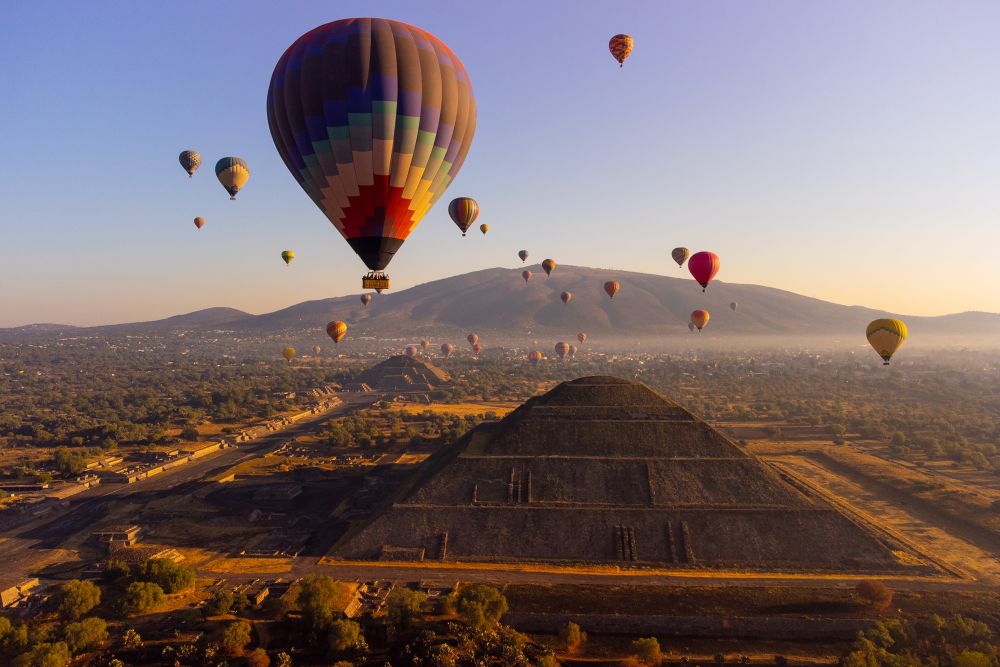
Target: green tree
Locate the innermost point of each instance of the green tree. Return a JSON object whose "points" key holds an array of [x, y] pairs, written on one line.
{"points": [[573, 636], [344, 635], [69, 462], [45, 655], [86, 634], [77, 597], [403, 606], [258, 658], [481, 606], [874, 593], [235, 638], [172, 577], [647, 651], [547, 660], [189, 433], [142, 596], [220, 603], [970, 658], [117, 570], [320, 597]]}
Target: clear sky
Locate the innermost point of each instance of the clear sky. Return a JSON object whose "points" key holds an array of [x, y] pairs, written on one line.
{"points": [[847, 150]]}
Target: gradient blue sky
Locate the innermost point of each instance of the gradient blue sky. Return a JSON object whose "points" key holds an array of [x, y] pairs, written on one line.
{"points": [[846, 150]]}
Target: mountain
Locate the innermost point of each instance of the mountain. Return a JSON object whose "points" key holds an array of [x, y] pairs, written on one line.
{"points": [[498, 301]]}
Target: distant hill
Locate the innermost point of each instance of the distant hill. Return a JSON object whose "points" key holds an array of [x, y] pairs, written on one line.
{"points": [[497, 300]]}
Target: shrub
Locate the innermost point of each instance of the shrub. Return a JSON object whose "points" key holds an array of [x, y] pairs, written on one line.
{"points": [[874, 593], [403, 606], [76, 598], [116, 570], [235, 638], [142, 596], [547, 660], [131, 639], [573, 636], [344, 635], [258, 658], [170, 576], [220, 603], [86, 634], [481, 606], [647, 650], [189, 433], [45, 655]]}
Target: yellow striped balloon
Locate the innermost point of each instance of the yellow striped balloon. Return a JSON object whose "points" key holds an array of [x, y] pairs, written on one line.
{"points": [[288, 256], [233, 173], [886, 336]]}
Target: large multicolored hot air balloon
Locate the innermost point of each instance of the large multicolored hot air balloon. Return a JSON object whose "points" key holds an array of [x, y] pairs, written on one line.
{"points": [[476, 348], [582, 337], [336, 330], [703, 266], [199, 222], [447, 349], [366, 299], [411, 351], [886, 336], [566, 297], [288, 353], [233, 173], [374, 119], [463, 212], [526, 274], [288, 256], [190, 160], [611, 288], [699, 318], [534, 357], [562, 349], [523, 254], [425, 343], [548, 265], [620, 47], [680, 255], [734, 306], [472, 338]]}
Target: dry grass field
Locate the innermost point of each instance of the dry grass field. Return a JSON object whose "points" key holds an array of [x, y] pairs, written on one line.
{"points": [[501, 408]]}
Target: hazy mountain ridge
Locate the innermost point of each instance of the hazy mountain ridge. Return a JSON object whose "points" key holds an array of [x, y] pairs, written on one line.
{"points": [[498, 300]]}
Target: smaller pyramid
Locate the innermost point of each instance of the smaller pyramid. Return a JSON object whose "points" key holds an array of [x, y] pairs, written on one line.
{"points": [[401, 373]]}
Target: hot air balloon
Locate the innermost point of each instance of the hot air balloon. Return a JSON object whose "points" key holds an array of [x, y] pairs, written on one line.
{"points": [[548, 265], [534, 357], [703, 266], [373, 118], [566, 296], [463, 211], [233, 173], [582, 337], [734, 306], [288, 256], [336, 330], [425, 343], [366, 299], [199, 222], [288, 353], [680, 255], [620, 47], [411, 351], [572, 351], [190, 160], [472, 338], [691, 327], [562, 349], [886, 336], [477, 348], [317, 349], [484, 228], [526, 274], [447, 349], [523, 254], [611, 288], [699, 318]]}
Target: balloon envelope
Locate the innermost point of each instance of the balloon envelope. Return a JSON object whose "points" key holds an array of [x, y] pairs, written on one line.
{"points": [[566, 297], [477, 348], [288, 353], [611, 288], [425, 343], [886, 336], [463, 211], [374, 119], [523, 254], [233, 173], [562, 349], [734, 305], [317, 349], [621, 47], [411, 351], [548, 265], [447, 349], [336, 330], [190, 160], [703, 266], [288, 256], [366, 299], [526, 274], [472, 338], [534, 357], [199, 222], [582, 337], [484, 228], [699, 318], [680, 255]]}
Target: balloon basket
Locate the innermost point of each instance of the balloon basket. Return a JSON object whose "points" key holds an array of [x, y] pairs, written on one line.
{"points": [[376, 281]]}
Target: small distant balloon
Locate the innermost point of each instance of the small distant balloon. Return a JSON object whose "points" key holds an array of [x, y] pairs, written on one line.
{"points": [[477, 348], [288, 256], [411, 351], [534, 357], [566, 297], [699, 319], [526, 274], [288, 353], [366, 299], [484, 228], [886, 336], [425, 343], [582, 337], [472, 338], [680, 255], [199, 222], [232, 173], [572, 351], [611, 288], [703, 266], [336, 330], [464, 211], [562, 349], [621, 47], [548, 265], [691, 327], [317, 349], [734, 306], [190, 160], [523, 254], [447, 349]]}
